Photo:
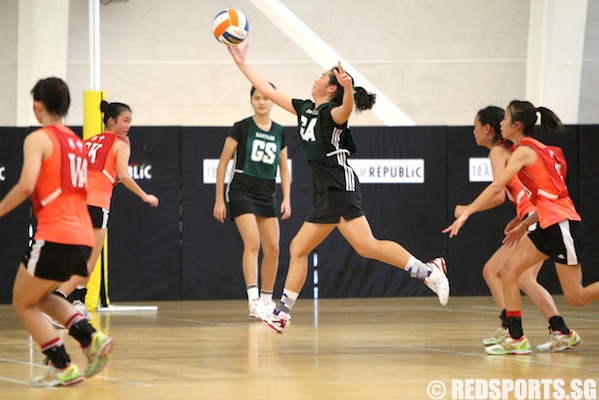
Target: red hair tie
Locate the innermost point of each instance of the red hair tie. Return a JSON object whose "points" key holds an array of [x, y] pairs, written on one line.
{"points": [[536, 109]]}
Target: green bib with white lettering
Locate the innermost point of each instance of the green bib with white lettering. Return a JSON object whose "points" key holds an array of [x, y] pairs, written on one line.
{"points": [[263, 150]]}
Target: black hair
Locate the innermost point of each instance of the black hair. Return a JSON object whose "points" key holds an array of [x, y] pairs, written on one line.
{"points": [[112, 110], [54, 94], [362, 99], [492, 115], [253, 89], [525, 113]]}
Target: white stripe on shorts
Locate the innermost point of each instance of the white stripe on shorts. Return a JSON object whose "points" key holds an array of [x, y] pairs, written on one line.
{"points": [[36, 249], [571, 258], [105, 214]]}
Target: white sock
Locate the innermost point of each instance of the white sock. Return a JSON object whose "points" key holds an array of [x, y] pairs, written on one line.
{"points": [[266, 297], [253, 293], [417, 269], [287, 301], [290, 294]]}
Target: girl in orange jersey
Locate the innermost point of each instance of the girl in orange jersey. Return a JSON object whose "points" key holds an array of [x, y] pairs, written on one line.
{"points": [[487, 133], [109, 154], [54, 174], [559, 236]]}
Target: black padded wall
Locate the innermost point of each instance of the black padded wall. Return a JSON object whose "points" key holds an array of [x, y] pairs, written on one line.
{"points": [[14, 226], [588, 163], [411, 214], [178, 251], [144, 243], [212, 251]]}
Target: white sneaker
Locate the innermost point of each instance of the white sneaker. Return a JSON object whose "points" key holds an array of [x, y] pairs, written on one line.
{"points": [[560, 342], [510, 345], [80, 306], [437, 281], [498, 336], [277, 322], [97, 353], [59, 377], [270, 306], [257, 309]]}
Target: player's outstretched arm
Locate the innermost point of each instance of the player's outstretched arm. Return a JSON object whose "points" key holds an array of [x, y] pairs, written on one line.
{"points": [[261, 84]]}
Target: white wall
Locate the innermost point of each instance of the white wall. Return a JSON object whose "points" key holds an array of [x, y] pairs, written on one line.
{"points": [[8, 62], [439, 61], [588, 112]]}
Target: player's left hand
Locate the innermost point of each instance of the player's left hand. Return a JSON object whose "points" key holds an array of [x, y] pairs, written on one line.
{"points": [[513, 235], [459, 209], [342, 77], [454, 228], [285, 210]]}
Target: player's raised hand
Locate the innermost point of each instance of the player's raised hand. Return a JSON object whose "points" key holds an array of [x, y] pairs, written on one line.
{"points": [[238, 53], [342, 77]]}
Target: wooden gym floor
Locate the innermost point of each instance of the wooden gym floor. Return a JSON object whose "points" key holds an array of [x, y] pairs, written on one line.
{"points": [[388, 348]]}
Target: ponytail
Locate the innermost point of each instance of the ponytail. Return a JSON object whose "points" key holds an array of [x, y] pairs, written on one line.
{"points": [[525, 113], [550, 120], [363, 99]]}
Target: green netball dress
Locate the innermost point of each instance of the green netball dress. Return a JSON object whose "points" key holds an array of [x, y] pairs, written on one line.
{"points": [[252, 187]]}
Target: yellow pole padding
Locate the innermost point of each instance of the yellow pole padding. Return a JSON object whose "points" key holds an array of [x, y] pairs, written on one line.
{"points": [[92, 116], [105, 299], [92, 125]]}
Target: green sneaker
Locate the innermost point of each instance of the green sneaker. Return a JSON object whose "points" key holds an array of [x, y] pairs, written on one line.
{"points": [[560, 342], [510, 345], [97, 353], [497, 337], [59, 377]]}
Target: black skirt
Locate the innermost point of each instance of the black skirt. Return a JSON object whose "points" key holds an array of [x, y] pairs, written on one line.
{"points": [[333, 204], [261, 205]]}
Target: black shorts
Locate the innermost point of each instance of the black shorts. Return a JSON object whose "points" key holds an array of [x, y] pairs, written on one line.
{"points": [[333, 204], [562, 242], [245, 202], [56, 261], [99, 216]]}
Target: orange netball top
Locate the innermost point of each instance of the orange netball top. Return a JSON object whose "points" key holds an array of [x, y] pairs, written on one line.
{"points": [[550, 210], [516, 194], [59, 198], [102, 168]]}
